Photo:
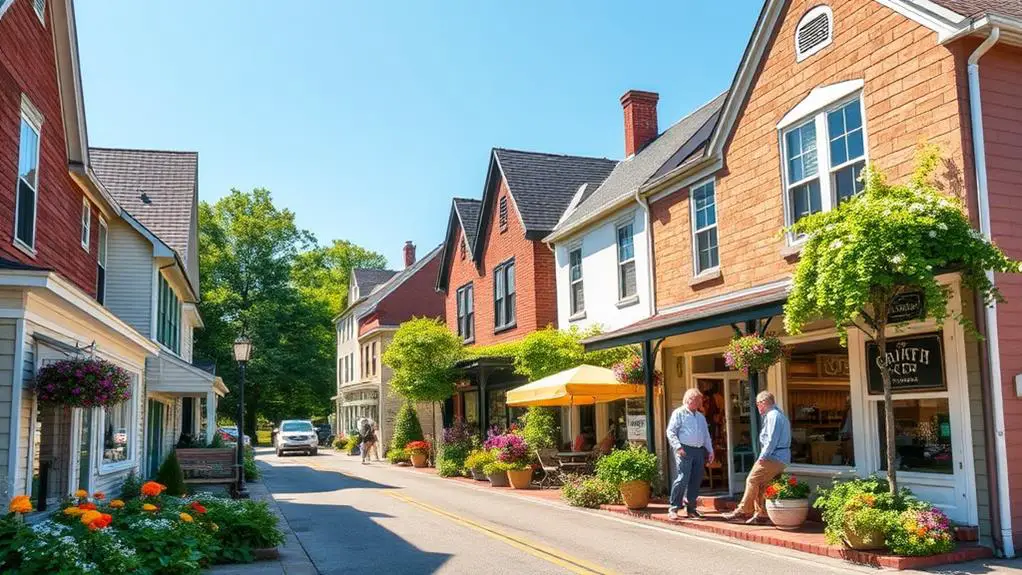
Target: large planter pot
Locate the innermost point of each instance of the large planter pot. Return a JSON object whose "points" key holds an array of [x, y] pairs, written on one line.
{"points": [[478, 475], [419, 459], [787, 514], [520, 478], [865, 541], [498, 479], [635, 494]]}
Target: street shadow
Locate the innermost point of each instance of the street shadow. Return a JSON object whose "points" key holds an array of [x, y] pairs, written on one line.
{"points": [[977, 567], [304, 479], [343, 539]]}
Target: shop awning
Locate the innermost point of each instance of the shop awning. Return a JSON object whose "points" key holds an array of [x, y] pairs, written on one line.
{"points": [[582, 385], [757, 303]]}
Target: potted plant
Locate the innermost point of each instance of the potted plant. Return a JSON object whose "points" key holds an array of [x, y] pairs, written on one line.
{"points": [[476, 461], [418, 451], [496, 472], [631, 371], [921, 531], [860, 513], [632, 470], [513, 452], [82, 382], [787, 502], [753, 353]]}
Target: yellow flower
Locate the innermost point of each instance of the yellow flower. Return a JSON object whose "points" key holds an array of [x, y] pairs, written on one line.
{"points": [[186, 517], [73, 511], [214, 527], [20, 504], [81, 493], [90, 516], [116, 504], [149, 507]]}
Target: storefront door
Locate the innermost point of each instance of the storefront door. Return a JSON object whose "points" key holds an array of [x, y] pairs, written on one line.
{"points": [[726, 408], [154, 437]]}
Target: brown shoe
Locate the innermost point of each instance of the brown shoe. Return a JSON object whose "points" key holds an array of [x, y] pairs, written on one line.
{"points": [[734, 515], [758, 519]]}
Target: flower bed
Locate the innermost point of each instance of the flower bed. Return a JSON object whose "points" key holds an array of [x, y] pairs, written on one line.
{"points": [[155, 534]]}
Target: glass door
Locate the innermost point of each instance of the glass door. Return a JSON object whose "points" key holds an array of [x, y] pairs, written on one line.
{"points": [[739, 433], [154, 437], [714, 390], [85, 450]]}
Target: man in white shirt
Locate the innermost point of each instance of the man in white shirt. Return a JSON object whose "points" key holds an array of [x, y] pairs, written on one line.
{"points": [[689, 437]]}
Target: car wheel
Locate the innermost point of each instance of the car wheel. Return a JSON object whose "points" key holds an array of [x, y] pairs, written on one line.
{"points": [[280, 453], [314, 451]]}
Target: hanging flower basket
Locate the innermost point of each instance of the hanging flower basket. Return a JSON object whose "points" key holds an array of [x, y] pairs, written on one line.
{"points": [[753, 353], [630, 371], [82, 382]]}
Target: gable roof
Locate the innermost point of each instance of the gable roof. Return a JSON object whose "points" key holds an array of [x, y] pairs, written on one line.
{"points": [[388, 287], [667, 151], [974, 8], [368, 280], [460, 208], [468, 215]]}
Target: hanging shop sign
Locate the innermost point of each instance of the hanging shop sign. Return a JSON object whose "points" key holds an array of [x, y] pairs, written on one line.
{"points": [[906, 307], [916, 363], [635, 419]]}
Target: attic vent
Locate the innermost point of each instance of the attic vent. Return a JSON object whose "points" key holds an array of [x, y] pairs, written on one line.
{"points": [[814, 33], [503, 213], [145, 198]]}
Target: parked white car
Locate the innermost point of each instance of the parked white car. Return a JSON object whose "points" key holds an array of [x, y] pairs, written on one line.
{"points": [[229, 434], [295, 435]]}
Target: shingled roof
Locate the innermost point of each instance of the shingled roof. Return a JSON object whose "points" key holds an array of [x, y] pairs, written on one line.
{"points": [[468, 213], [973, 8], [369, 279]]}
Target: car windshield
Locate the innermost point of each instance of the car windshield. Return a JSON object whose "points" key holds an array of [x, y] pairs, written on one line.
{"points": [[297, 426]]}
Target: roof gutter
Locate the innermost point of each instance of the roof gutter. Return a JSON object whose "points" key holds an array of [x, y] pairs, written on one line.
{"points": [[990, 311]]}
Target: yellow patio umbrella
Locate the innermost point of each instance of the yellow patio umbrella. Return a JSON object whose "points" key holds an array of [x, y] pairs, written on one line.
{"points": [[582, 385]]}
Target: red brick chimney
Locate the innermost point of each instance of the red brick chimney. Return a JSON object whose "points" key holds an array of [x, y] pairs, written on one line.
{"points": [[409, 253], [640, 119]]}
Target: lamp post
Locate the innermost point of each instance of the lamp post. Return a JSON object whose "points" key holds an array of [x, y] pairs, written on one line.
{"points": [[242, 350]]}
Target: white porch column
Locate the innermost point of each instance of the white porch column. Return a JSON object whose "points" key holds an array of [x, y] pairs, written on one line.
{"points": [[210, 415]]}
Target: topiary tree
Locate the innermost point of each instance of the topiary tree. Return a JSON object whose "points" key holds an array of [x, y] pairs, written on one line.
{"points": [[889, 240], [406, 427], [170, 474]]}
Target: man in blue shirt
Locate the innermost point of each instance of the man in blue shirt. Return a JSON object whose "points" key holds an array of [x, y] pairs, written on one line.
{"points": [[774, 456], [690, 439]]}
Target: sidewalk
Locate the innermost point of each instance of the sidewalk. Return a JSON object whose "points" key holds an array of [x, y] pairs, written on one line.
{"points": [[292, 559]]}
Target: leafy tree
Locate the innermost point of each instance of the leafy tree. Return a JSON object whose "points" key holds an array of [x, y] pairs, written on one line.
{"points": [[549, 351], [889, 240], [540, 429], [322, 274], [422, 356], [406, 427]]}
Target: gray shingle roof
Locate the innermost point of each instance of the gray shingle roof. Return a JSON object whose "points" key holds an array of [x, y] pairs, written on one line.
{"points": [[468, 213], [369, 279], [642, 167], [970, 8], [398, 278], [543, 184]]}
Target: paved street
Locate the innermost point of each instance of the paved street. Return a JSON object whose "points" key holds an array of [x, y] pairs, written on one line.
{"points": [[350, 518]]}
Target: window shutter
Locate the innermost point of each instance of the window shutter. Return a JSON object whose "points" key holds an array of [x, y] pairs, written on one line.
{"points": [[503, 213]]}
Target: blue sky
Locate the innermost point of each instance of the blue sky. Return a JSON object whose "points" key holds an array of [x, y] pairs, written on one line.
{"points": [[366, 118]]}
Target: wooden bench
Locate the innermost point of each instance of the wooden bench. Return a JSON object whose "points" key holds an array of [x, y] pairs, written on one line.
{"points": [[209, 466]]}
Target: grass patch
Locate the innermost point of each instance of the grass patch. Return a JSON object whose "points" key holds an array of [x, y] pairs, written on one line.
{"points": [[263, 437]]}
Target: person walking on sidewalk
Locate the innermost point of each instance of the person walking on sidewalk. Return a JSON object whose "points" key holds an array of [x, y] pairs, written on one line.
{"points": [[693, 448], [774, 456], [366, 428]]}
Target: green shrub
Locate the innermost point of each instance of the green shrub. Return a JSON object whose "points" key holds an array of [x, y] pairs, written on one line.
{"points": [[456, 444], [448, 468], [132, 486], [921, 532], [861, 506], [406, 427], [624, 465], [354, 440], [170, 474], [251, 470], [398, 456], [243, 526], [495, 467], [478, 459], [340, 443], [588, 491], [540, 429]]}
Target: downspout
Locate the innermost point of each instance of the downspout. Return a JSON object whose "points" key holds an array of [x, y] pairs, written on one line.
{"points": [[644, 204], [990, 311]]}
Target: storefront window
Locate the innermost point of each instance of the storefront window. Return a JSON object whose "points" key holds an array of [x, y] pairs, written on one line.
{"points": [[117, 423], [472, 407], [922, 435], [819, 404], [497, 408]]}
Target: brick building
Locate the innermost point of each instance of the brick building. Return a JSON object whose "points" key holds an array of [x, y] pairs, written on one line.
{"points": [[868, 80], [496, 273]]}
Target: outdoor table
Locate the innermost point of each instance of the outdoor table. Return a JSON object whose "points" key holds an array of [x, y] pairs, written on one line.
{"points": [[571, 456]]}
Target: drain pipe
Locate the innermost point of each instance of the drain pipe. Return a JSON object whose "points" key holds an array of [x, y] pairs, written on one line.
{"points": [[992, 343], [644, 204]]}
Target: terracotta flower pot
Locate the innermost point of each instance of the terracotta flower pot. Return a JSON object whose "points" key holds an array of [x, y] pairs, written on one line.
{"points": [[478, 475], [419, 459], [498, 479], [635, 494], [865, 541], [520, 478], [788, 514]]}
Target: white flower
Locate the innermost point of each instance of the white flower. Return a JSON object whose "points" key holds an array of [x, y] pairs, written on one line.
{"points": [[942, 226], [836, 244], [917, 207], [933, 234], [898, 259]]}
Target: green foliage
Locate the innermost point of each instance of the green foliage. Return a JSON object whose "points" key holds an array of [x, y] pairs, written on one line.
{"points": [[243, 525], [549, 351], [340, 443], [406, 427], [876, 245], [132, 486], [456, 443], [624, 465], [322, 273], [861, 506], [398, 455], [787, 487], [251, 470], [540, 427], [753, 353], [495, 467], [921, 532], [353, 443], [448, 468], [422, 356], [589, 491], [170, 474], [478, 459]]}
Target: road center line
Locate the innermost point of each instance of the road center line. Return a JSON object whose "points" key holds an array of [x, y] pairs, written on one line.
{"points": [[573, 564]]}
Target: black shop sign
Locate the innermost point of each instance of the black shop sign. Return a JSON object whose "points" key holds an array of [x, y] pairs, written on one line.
{"points": [[916, 364], [906, 307]]}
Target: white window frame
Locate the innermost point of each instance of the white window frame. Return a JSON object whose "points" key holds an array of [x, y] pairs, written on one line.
{"points": [[30, 115], [86, 224], [825, 174], [696, 231], [4, 5], [102, 247], [621, 296], [811, 15], [581, 312], [99, 424], [40, 10]]}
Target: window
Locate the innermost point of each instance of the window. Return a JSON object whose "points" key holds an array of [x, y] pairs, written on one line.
{"points": [[841, 160], [704, 227], [101, 263], [625, 262], [40, 9], [374, 358], [118, 430], [504, 295], [28, 176], [466, 312], [168, 326], [86, 223], [922, 435], [814, 32], [503, 213], [818, 387], [578, 300]]}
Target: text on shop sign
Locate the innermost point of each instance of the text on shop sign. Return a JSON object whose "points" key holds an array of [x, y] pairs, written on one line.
{"points": [[915, 363]]}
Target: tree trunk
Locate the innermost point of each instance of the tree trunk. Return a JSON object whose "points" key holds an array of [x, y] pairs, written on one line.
{"points": [[885, 373]]}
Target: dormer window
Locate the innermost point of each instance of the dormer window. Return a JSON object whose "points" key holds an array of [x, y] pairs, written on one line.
{"points": [[815, 32]]}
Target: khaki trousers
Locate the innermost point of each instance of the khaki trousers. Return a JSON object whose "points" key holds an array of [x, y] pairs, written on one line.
{"points": [[763, 472]]}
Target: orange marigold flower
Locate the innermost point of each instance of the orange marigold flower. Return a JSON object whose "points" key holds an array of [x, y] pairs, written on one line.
{"points": [[197, 507], [149, 507], [186, 517], [116, 504], [74, 511], [99, 496], [87, 506], [81, 493], [20, 504], [771, 491], [152, 488], [89, 516]]}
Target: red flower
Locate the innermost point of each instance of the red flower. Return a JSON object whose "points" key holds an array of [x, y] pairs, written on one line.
{"points": [[771, 491], [197, 507], [793, 481], [87, 506]]}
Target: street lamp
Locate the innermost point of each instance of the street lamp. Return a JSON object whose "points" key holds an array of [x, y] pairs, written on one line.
{"points": [[242, 351]]}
